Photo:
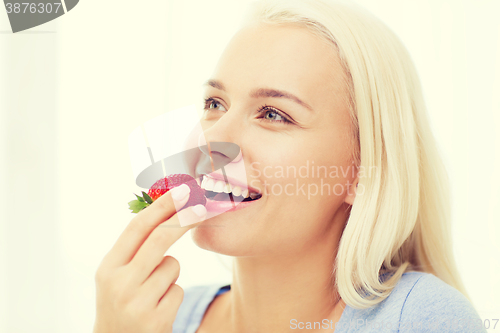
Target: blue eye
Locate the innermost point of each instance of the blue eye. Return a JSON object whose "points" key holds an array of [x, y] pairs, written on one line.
{"points": [[274, 115], [270, 114], [209, 102]]}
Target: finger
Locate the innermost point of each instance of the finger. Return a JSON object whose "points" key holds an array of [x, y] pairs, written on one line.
{"points": [[171, 301], [144, 223], [165, 274], [151, 252]]}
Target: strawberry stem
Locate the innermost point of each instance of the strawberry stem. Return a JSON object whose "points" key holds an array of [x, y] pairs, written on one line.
{"points": [[147, 198], [142, 202]]}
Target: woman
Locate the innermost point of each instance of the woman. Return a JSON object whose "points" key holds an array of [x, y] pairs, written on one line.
{"points": [[306, 83]]}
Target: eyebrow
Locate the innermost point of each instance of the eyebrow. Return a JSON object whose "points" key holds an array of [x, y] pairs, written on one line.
{"points": [[263, 92]]}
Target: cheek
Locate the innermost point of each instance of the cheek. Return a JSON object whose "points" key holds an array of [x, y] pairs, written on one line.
{"points": [[321, 178], [309, 165]]}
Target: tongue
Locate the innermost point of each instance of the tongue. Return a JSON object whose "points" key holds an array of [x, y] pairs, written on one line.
{"points": [[221, 197]]}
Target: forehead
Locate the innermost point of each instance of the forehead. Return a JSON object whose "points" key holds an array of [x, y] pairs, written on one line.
{"points": [[287, 57]]}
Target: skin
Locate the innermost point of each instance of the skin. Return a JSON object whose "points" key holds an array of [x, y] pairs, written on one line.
{"points": [[283, 245], [135, 282]]}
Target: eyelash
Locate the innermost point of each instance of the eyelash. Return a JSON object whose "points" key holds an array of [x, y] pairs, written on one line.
{"points": [[263, 108]]}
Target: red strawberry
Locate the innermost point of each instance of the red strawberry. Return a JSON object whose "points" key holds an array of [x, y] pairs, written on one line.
{"points": [[162, 186]]}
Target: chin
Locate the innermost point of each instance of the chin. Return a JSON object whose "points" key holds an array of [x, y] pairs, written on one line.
{"points": [[225, 238], [232, 233], [214, 240]]}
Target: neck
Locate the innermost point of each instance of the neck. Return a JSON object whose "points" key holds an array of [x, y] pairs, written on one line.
{"points": [[270, 293]]}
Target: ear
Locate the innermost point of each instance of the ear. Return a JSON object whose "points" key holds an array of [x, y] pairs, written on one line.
{"points": [[351, 192]]}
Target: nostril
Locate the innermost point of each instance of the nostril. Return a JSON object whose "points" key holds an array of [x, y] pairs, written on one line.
{"points": [[238, 157]]}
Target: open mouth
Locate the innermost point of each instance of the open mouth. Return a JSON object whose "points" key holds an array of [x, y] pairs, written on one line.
{"points": [[218, 190]]}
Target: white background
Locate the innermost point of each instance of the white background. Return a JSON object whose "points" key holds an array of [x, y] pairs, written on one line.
{"points": [[72, 90]]}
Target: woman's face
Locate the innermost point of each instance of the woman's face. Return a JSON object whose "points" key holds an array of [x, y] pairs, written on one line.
{"points": [[283, 144]]}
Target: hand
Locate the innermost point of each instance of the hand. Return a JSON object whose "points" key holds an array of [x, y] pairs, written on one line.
{"points": [[135, 282]]}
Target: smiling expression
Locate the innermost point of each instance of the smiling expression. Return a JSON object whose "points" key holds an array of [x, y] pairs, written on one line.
{"points": [[278, 93]]}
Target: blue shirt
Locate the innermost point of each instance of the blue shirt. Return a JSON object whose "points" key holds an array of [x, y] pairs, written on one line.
{"points": [[420, 302]]}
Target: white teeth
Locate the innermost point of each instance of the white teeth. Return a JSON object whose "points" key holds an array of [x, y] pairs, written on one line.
{"points": [[209, 184], [219, 186], [236, 190]]}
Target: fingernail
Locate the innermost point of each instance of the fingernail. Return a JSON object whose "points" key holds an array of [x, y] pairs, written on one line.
{"points": [[180, 192], [199, 210]]}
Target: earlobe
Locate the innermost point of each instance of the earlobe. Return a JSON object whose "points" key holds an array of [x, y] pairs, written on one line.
{"points": [[351, 192]]}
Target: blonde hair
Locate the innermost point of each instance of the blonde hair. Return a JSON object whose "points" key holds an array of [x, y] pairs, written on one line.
{"points": [[402, 222]]}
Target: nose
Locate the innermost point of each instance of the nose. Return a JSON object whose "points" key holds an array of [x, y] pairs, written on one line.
{"points": [[217, 155], [217, 146]]}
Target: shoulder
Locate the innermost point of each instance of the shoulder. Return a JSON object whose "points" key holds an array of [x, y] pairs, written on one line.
{"points": [[431, 304], [195, 302], [420, 302]]}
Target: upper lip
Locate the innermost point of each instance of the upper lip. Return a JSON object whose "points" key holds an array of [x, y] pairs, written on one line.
{"points": [[232, 181]]}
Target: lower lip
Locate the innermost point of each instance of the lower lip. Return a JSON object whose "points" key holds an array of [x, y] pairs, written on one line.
{"points": [[226, 206]]}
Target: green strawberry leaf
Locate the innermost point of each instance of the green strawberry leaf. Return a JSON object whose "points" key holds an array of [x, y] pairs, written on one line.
{"points": [[136, 206], [147, 198], [141, 199]]}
